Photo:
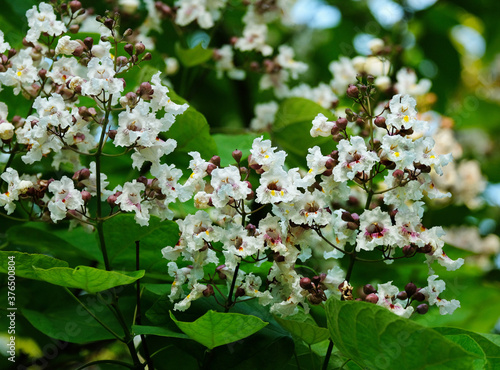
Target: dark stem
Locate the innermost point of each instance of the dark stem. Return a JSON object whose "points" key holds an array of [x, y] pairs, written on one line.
{"points": [[138, 315], [351, 265], [230, 301], [328, 354]]}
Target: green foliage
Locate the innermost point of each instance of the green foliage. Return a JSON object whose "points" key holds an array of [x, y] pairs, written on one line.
{"points": [[292, 126], [216, 329], [25, 263], [193, 57], [373, 337], [122, 232], [304, 327]]}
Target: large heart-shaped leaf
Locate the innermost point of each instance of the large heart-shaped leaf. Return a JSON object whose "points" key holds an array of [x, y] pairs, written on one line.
{"points": [[374, 338], [216, 328]]}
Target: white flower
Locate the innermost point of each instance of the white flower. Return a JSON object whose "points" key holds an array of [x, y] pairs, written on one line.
{"points": [[66, 46], [4, 46], [205, 12], [224, 57], [407, 83], [276, 186], [321, 126], [263, 154], [285, 60], [227, 184], [400, 150], [152, 153], [66, 198], [43, 21], [15, 187], [403, 113], [387, 298], [64, 70], [254, 38], [101, 78], [343, 74], [137, 127], [196, 292], [131, 201], [354, 157], [432, 291], [22, 72], [375, 229], [160, 100], [265, 114], [311, 209]]}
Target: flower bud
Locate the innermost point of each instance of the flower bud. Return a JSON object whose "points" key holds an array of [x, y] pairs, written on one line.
{"points": [[210, 168], [129, 49], [380, 122], [209, 291], [305, 283], [410, 289], [350, 115], [147, 56], [75, 5], [425, 249], [352, 91], [369, 289], [88, 42], [315, 299], [240, 292], [422, 308], [237, 154], [139, 48], [418, 296], [112, 199], [78, 51], [372, 298], [402, 296], [121, 61], [330, 163], [341, 123], [74, 28], [109, 23], [409, 250], [215, 160], [86, 196], [128, 32]]}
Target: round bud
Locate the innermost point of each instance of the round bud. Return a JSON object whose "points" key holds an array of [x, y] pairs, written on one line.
{"points": [[240, 292], [86, 196], [109, 23], [369, 289], [352, 91], [422, 308], [210, 168], [372, 298], [305, 283], [112, 134], [75, 5], [128, 32], [425, 249], [410, 289], [418, 296], [147, 56], [380, 122], [341, 123], [129, 49], [139, 48], [88, 42], [215, 160], [314, 299], [409, 250], [74, 28], [237, 154], [209, 291], [402, 296], [78, 51]]}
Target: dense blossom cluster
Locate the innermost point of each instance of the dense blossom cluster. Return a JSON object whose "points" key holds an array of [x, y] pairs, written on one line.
{"points": [[304, 212]]}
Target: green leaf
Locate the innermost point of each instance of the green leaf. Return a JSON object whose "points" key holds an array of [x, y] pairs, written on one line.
{"points": [[490, 349], [291, 130], [226, 144], [216, 328], [304, 327], [35, 239], [156, 330], [466, 342], [66, 320], [373, 337], [24, 263], [87, 278], [192, 133], [122, 231], [193, 57]]}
